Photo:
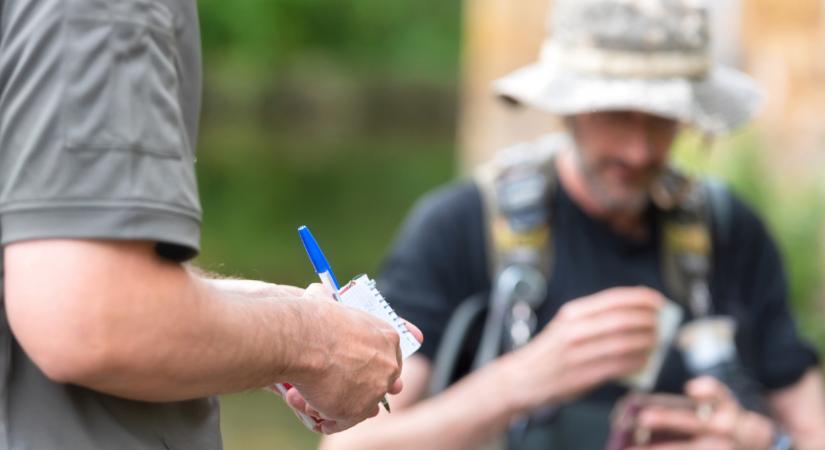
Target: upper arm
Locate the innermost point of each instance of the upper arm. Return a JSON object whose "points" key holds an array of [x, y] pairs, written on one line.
{"points": [[96, 165], [756, 288], [65, 298]]}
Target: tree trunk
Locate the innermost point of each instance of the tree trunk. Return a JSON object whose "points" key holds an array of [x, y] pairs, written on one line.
{"points": [[499, 36]]}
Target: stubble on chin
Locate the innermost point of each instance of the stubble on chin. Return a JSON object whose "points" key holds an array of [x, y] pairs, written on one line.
{"points": [[608, 199]]}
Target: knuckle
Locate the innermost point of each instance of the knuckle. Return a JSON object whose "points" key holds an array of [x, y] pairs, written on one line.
{"points": [[393, 337], [373, 412], [566, 337], [395, 373], [567, 310]]}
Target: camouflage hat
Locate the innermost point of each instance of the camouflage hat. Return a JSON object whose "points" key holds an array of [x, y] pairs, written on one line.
{"points": [[652, 56]]}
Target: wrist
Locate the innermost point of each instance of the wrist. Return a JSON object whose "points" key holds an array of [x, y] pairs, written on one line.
{"points": [[513, 374], [302, 342], [780, 440], [500, 382], [759, 432]]}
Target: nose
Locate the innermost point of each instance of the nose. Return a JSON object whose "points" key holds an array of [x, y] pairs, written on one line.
{"points": [[638, 148]]}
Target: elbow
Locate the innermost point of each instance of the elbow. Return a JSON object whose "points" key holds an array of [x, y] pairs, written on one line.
{"points": [[70, 363], [70, 344]]}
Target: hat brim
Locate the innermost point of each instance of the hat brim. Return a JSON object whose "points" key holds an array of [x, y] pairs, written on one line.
{"points": [[718, 103]]}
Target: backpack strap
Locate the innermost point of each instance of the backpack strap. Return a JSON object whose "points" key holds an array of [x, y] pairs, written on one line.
{"points": [[517, 187], [694, 211], [456, 340], [721, 208]]}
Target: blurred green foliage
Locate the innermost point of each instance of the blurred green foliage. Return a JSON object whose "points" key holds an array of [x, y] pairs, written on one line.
{"points": [[792, 205], [338, 115], [405, 38]]}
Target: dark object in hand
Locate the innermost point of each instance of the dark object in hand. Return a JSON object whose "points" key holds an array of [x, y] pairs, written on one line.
{"points": [[625, 430]]}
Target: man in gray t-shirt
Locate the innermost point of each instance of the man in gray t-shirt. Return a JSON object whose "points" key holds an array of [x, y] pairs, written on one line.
{"points": [[106, 340]]}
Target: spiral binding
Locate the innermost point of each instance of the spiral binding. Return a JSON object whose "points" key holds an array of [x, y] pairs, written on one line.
{"points": [[384, 304]]}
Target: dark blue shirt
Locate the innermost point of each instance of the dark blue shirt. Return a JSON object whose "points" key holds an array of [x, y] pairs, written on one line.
{"points": [[439, 260]]}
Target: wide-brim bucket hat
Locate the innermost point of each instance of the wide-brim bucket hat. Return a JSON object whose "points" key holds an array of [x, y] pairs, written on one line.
{"points": [[651, 56]]}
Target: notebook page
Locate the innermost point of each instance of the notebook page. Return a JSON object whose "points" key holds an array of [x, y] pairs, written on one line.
{"points": [[362, 294]]}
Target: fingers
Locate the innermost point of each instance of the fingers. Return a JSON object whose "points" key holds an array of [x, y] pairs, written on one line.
{"points": [[607, 325], [596, 373], [704, 443], [708, 389], [332, 427], [629, 345], [325, 426], [317, 290], [399, 358], [336, 426], [670, 446], [295, 400], [613, 299], [610, 368], [416, 332], [312, 412], [680, 421], [394, 339], [397, 387], [288, 290], [711, 393]]}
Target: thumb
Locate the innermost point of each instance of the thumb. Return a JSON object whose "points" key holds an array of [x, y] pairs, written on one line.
{"points": [[709, 389]]}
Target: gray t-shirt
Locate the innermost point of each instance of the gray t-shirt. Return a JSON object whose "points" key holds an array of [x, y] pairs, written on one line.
{"points": [[99, 104]]}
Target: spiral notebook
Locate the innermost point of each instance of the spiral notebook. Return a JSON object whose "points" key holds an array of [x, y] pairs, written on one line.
{"points": [[361, 293]]}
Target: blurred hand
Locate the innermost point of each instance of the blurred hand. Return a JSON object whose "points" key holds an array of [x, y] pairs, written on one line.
{"points": [[591, 340], [719, 424], [362, 364]]}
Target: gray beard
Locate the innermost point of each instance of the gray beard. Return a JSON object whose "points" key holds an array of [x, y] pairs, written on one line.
{"points": [[627, 205]]}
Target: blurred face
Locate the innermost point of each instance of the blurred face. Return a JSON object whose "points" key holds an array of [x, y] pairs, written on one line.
{"points": [[620, 155]]}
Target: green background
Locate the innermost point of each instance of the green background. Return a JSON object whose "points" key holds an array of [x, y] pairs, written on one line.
{"points": [[338, 115]]}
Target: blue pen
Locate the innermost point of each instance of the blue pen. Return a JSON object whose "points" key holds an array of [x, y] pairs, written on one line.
{"points": [[324, 271], [319, 261]]}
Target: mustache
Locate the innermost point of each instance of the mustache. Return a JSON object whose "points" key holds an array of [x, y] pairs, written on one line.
{"points": [[651, 168]]}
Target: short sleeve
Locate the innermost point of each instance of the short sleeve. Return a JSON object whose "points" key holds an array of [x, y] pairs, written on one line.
{"points": [[779, 355], [94, 142], [437, 261]]}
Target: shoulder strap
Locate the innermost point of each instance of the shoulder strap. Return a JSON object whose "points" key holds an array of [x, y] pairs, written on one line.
{"points": [[516, 189], [721, 208], [693, 211]]}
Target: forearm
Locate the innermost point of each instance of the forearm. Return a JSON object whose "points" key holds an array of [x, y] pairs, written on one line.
{"points": [[465, 416], [187, 338], [150, 330], [800, 410]]}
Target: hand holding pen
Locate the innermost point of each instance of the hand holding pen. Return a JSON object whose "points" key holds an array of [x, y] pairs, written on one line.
{"points": [[362, 363], [324, 271]]}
